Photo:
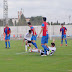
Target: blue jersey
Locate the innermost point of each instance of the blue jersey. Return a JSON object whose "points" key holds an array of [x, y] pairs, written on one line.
{"points": [[63, 30]]}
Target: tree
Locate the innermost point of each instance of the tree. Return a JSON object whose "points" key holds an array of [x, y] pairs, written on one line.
{"points": [[36, 20], [15, 22], [22, 21], [10, 22], [1, 23]]}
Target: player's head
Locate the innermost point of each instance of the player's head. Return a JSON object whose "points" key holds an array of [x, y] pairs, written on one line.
{"points": [[30, 31], [44, 19], [6, 25], [29, 23], [52, 44], [61, 25]]}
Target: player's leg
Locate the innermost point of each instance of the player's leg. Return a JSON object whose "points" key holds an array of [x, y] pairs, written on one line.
{"points": [[65, 39], [29, 45], [6, 43], [35, 50], [44, 41], [26, 45], [62, 40], [34, 38], [8, 39]]}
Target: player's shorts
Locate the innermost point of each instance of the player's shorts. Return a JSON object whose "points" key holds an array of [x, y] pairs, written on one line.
{"points": [[7, 37], [44, 39], [63, 36], [34, 37], [29, 42]]}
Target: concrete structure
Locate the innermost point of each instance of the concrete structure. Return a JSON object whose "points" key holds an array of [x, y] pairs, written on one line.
{"points": [[55, 30], [5, 12]]}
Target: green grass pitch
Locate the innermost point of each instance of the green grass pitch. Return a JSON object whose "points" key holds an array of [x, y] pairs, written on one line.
{"points": [[15, 60]]}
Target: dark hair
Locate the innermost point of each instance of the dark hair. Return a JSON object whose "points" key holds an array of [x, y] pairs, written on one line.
{"points": [[44, 18], [30, 31], [53, 44], [62, 24], [29, 23]]}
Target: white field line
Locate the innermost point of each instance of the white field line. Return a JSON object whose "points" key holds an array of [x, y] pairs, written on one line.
{"points": [[21, 53], [29, 54]]}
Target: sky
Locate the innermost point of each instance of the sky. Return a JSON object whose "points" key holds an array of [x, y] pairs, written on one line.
{"points": [[52, 9]]}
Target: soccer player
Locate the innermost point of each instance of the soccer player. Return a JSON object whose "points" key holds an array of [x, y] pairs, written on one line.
{"points": [[51, 51], [27, 40], [7, 32], [44, 39], [63, 30], [34, 36]]}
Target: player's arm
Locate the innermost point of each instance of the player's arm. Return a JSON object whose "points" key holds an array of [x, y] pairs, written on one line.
{"points": [[60, 30], [53, 40], [4, 31], [34, 31], [23, 41], [24, 38], [41, 32], [9, 32], [65, 29]]}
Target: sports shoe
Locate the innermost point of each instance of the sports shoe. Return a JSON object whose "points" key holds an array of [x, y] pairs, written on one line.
{"points": [[66, 44], [5, 47]]}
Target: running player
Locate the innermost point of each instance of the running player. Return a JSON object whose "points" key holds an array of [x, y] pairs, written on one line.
{"points": [[27, 40], [63, 30], [7, 32], [34, 36], [44, 39]]}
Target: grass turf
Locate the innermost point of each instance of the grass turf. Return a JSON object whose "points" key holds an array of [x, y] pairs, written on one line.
{"points": [[15, 60]]}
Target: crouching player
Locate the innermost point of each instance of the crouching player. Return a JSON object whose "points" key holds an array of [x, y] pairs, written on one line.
{"points": [[51, 51], [27, 40]]}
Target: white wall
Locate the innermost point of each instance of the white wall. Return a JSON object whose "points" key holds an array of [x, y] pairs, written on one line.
{"points": [[55, 30]]}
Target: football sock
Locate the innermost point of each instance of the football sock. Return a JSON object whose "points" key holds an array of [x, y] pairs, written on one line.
{"points": [[65, 41], [6, 44], [35, 45], [26, 48], [45, 51], [61, 41], [9, 43], [32, 43], [45, 48]]}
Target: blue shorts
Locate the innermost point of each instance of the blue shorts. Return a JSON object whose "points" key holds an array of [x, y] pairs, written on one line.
{"points": [[44, 39], [63, 36], [7, 37], [34, 37]]}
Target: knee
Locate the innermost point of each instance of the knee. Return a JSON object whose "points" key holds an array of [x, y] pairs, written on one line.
{"points": [[33, 41], [29, 45], [65, 38], [5, 40], [26, 43], [41, 44]]}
